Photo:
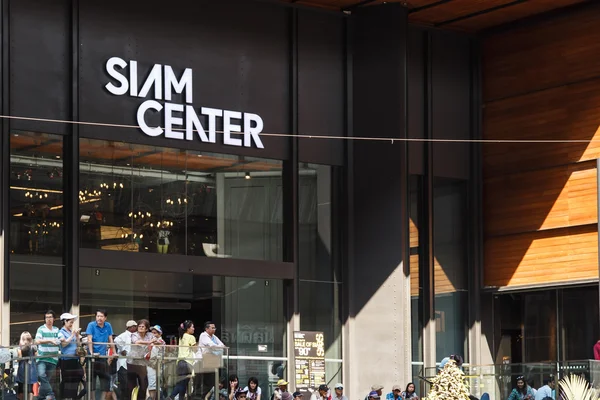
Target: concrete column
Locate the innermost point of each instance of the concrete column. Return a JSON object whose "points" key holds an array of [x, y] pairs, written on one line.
{"points": [[377, 331]]}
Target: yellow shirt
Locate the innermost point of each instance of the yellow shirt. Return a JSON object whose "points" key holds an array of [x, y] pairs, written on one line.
{"points": [[185, 348]]}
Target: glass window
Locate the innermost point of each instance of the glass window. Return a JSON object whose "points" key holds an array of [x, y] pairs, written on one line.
{"points": [[320, 283], [415, 283], [248, 312], [170, 201], [450, 280], [36, 229]]}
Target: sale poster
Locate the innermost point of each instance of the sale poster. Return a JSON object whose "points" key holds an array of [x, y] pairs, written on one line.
{"points": [[309, 360]]}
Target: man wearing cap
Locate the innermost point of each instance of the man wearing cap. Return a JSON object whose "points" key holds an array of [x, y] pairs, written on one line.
{"points": [[373, 395], [321, 394], [297, 396], [339, 392], [280, 390], [47, 341], [395, 394], [375, 388], [123, 342]]}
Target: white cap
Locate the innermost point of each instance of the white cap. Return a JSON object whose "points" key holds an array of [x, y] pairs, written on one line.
{"points": [[338, 386], [130, 323], [67, 316]]}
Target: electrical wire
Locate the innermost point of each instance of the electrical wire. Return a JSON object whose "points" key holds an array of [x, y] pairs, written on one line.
{"points": [[306, 136]]}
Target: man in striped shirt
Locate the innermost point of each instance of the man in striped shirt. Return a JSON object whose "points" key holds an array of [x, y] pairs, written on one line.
{"points": [[47, 342]]}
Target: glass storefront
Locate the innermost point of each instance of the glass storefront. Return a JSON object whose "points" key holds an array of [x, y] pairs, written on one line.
{"points": [[138, 198], [540, 326]]}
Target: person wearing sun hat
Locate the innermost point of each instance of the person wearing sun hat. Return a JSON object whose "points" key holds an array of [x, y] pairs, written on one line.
{"points": [[155, 351], [282, 387]]}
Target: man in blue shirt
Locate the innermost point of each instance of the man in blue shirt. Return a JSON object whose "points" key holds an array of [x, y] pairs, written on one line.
{"points": [[100, 332]]}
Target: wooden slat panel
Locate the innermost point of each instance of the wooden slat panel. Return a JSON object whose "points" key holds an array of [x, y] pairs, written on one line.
{"points": [[543, 55], [509, 14], [564, 113], [414, 234], [542, 257], [454, 9], [414, 275], [546, 199], [443, 279]]}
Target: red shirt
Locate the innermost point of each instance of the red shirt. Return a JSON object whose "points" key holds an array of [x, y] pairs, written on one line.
{"points": [[597, 350]]}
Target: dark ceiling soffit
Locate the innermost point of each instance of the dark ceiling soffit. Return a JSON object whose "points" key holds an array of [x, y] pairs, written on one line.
{"points": [[283, 3], [478, 13], [357, 5], [540, 17], [428, 6]]}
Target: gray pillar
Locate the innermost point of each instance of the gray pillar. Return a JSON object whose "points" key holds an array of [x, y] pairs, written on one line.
{"points": [[378, 327]]}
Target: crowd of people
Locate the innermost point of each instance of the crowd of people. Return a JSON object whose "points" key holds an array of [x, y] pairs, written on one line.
{"points": [[524, 391], [59, 360], [55, 363]]}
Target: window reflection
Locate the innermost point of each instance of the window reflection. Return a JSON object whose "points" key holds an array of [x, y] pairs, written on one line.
{"points": [[36, 228], [171, 201], [320, 283]]}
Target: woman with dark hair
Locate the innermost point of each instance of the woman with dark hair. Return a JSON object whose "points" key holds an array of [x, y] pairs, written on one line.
{"points": [[234, 385], [185, 359], [137, 373], [522, 391], [253, 389], [71, 370], [410, 393]]}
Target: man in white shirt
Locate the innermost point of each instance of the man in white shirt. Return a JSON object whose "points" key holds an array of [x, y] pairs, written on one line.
{"points": [[546, 391], [339, 392], [208, 337], [123, 342]]}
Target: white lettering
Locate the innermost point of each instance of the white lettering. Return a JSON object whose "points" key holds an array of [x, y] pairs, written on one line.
{"points": [[172, 114], [250, 132], [229, 128], [133, 82], [192, 123], [170, 120], [111, 65], [212, 113], [185, 83], [141, 120], [154, 79]]}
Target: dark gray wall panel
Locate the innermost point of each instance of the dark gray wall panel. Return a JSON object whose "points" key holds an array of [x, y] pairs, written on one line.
{"points": [[321, 82], [379, 93], [451, 119], [40, 63], [416, 98], [238, 50]]}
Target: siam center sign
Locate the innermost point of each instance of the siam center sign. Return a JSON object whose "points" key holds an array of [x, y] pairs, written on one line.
{"points": [[181, 121]]}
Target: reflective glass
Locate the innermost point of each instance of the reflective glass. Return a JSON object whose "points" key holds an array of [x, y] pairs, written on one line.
{"points": [[170, 201], [320, 283], [36, 229], [451, 263]]}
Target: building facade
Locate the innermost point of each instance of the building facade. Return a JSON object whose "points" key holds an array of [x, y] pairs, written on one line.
{"points": [[207, 161]]}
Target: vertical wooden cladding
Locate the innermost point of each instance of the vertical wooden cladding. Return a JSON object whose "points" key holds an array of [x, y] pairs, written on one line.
{"points": [[542, 82]]}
